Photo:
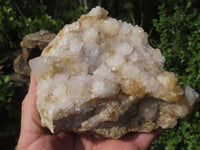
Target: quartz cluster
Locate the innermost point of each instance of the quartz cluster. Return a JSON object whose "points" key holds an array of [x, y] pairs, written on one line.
{"points": [[101, 76]]}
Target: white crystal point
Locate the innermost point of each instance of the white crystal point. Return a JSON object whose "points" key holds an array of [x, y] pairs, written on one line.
{"points": [[100, 75]]}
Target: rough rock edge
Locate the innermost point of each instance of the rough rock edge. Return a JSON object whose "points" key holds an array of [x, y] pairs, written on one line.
{"points": [[104, 129]]}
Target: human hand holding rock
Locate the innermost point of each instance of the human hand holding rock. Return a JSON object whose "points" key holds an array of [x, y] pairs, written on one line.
{"points": [[33, 136]]}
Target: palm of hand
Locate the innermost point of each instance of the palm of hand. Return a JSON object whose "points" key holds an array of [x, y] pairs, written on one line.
{"points": [[35, 137]]}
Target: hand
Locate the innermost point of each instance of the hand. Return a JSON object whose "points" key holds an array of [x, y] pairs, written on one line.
{"points": [[34, 137]]}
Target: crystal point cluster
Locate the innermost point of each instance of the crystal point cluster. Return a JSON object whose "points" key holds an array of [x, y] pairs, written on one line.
{"points": [[101, 76]]}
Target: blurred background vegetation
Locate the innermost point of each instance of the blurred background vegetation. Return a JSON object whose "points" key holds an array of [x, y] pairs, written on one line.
{"points": [[172, 26]]}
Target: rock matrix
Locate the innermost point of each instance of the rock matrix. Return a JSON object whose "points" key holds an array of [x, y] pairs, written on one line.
{"points": [[101, 76]]}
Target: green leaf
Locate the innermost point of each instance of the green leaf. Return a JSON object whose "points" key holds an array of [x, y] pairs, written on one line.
{"points": [[128, 5], [189, 4], [6, 79]]}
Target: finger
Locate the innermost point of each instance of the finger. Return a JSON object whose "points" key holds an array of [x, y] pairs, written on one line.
{"points": [[115, 144], [30, 120], [30, 114], [33, 86], [89, 142], [84, 142], [143, 140]]}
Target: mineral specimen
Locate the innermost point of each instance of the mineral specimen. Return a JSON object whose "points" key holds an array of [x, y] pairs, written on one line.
{"points": [[101, 76]]}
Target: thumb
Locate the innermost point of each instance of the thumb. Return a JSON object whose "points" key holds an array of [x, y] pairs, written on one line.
{"points": [[30, 120]]}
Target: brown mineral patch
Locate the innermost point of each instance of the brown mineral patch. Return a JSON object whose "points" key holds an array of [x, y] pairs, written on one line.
{"points": [[132, 87], [48, 48], [170, 89], [61, 33], [80, 20], [112, 116], [86, 17]]}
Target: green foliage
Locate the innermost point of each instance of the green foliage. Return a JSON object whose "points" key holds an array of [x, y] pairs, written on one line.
{"points": [[179, 29], [18, 18], [74, 15], [15, 22], [140, 12], [9, 124], [40, 21], [6, 91], [66, 10], [128, 5]]}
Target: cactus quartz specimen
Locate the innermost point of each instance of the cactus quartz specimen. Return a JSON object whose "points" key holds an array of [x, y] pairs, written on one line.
{"points": [[101, 76]]}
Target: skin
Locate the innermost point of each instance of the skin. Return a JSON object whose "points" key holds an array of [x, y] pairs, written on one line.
{"points": [[34, 137]]}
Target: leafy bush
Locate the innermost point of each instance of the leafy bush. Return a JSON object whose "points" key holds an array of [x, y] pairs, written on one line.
{"points": [[9, 122], [40, 21], [6, 91], [179, 28], [18, 18]]}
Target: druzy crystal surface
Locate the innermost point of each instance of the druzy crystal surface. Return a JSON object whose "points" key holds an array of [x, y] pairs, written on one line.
{"points": [[101, 76]]}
